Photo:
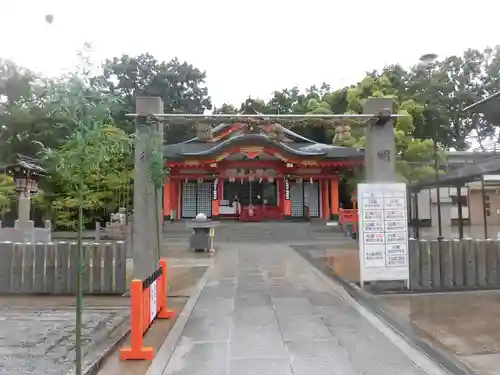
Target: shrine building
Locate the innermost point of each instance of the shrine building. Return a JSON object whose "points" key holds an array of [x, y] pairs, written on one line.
{"points": [[252, 172]]}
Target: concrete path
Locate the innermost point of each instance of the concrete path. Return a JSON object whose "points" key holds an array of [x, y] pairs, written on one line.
{"points": [[266, 311]]}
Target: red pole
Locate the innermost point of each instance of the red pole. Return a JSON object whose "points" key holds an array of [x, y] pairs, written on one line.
{"points": [[136, 350], [161, 290]]}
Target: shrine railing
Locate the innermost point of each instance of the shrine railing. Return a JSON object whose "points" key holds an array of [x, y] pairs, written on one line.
{"points": [[348, 221]]}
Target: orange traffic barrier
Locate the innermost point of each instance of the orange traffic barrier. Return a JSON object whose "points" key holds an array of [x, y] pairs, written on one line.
{"points": [[148, 301]]}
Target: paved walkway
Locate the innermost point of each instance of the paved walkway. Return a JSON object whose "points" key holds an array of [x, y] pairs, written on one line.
{"points": [[266, 311]]}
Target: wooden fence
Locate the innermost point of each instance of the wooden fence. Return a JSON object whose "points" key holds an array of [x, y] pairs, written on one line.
{"points": [[455, 264], [27, 268]]}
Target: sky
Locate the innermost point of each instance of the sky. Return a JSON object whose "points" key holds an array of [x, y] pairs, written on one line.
{"points": [[248, 48]]}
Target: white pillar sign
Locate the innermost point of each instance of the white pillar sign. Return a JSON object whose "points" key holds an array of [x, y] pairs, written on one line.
{"points": [[383, 232], [152, 301]]}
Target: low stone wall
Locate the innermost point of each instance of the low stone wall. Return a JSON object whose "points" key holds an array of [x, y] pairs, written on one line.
{"points": [[26, 232], [454, 264], [28, 268]]}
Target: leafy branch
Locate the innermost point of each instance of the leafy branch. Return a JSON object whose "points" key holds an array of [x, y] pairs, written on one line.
{"points": [[157, 173]]}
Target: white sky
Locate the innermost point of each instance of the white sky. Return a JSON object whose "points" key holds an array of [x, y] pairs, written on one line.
{"points": [[249, 48]]}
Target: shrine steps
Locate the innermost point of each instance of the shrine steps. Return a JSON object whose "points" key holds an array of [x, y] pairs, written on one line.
{"points": [[263, 232]]}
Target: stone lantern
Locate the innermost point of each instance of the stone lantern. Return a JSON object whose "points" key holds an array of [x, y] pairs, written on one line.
{"points": [[26, 174]]}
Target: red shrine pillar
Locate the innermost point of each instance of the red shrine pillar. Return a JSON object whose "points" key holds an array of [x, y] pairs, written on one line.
{"points": [[215, 198], [278, 194], [167, 190], [325, 200], [334, 198], [176, 188], [285, 194]]}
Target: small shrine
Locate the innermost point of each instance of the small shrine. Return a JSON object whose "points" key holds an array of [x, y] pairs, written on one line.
{"points": [[254, 170]]}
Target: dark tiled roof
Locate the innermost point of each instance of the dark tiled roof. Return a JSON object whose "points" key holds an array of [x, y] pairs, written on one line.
{"points": [[26, 163], [309, 148], [461, 175]]}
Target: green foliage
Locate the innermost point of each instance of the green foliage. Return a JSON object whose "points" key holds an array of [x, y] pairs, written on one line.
{"points": [[7, 191], [94, 154], [180, 85]]}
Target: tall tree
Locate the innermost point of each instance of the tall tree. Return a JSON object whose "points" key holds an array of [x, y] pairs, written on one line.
{"points": [[22, 116], [181, 86]]}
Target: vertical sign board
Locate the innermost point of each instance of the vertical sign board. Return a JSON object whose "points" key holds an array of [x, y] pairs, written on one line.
{"points": [[383, 232], [152, 301], [215, 190], [287, 189]]}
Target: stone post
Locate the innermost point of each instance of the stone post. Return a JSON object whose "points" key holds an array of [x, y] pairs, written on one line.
{"points": [[145, 207], [380, 148], [23, 217]]}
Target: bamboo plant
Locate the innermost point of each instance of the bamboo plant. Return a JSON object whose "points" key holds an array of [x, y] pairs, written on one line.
{"points": [[92, 142]]}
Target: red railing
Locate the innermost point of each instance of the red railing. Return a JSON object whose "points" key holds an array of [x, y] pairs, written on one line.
{"points": [[148, 301], [347, 217]]}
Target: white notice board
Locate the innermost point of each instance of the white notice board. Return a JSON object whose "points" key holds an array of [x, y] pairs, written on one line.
{"points": [[383, 232], [152, 301]]}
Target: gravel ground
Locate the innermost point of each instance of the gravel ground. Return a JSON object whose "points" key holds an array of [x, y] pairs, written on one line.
{"points": [[38, 337]]}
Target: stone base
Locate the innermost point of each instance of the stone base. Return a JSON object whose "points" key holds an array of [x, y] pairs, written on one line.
{"points": [[32, 235], [28, 225]]}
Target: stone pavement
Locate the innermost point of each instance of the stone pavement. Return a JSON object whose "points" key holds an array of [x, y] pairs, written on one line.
{"points": [[266, 311], [36, 338], [444, 321]]}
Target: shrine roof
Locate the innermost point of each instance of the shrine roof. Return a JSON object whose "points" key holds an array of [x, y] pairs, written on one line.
{"points": [[302, 147]]}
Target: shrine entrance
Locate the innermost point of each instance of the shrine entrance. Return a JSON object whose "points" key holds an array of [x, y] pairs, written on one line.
{"points": [[252, 193]]}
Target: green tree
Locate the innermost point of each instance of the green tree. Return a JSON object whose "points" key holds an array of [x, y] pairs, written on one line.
{"points": [[225, 109], [450, 85], [180, 85], [94, 142], [7, 190], [414, 156], [20, 110]]}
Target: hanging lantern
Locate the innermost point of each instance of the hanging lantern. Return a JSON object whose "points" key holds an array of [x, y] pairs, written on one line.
{"points": [[200, 180], [270, 179], [311, 180]]}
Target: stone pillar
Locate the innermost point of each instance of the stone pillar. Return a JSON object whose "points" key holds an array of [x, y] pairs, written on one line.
{"points": [[167, 198], [145, 207], [380, 148], [334, 198], [23, 216], [215, 198]]}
